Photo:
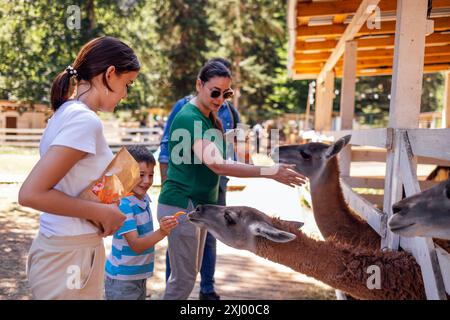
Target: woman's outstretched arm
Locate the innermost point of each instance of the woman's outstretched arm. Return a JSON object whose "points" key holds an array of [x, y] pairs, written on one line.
{"points": [[210, 155]]}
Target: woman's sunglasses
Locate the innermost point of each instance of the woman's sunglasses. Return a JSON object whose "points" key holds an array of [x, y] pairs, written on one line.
{"points": [[226, 95]]}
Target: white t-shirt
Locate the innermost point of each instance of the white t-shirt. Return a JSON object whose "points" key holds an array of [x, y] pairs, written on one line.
{"points": [[76, 126]]}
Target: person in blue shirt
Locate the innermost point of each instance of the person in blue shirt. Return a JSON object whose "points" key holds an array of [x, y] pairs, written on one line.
{"points": [[229, 118]]}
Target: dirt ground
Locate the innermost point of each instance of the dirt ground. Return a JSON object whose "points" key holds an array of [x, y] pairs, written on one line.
{"points": [[18, 227], [239, 274]]}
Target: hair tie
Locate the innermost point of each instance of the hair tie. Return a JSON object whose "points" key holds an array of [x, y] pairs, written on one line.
{"points": [[71, 71]]}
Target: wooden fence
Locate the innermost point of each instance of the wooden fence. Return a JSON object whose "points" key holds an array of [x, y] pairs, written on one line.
{"points": [[116, 138]]}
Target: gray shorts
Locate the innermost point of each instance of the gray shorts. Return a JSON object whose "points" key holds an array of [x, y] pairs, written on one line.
{"points": [[125, 289]]}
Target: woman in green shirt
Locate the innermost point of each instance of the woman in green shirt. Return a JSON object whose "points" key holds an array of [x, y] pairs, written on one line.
{"points": [[197, 160]]}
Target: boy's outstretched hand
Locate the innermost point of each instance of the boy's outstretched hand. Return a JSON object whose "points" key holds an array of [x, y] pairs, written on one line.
{"points": [[166, 224]]}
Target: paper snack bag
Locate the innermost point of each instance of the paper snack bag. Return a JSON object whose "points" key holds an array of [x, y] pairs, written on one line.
{"points": [[117, 181]]}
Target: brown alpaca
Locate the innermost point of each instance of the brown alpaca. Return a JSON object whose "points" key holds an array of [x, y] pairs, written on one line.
{"points": [[337, 264], [334, 218]]}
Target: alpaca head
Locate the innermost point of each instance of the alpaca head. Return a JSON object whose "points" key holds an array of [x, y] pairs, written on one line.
{"points": [[310, 158], [239, 226], [426, 214]]}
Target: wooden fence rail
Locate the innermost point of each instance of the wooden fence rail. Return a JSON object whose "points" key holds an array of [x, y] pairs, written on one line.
{"points": [[31, 138]]}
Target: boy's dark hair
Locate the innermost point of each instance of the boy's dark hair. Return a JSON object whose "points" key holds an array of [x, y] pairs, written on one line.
{"points": [[141, 154]]}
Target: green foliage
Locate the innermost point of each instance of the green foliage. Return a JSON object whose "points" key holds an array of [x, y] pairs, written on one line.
{"points": [[253, 36], [183, 33], [173, 39], [373, 97]]}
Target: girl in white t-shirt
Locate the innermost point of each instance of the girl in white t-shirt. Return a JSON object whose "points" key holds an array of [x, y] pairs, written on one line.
{"points": [[66, 259]]}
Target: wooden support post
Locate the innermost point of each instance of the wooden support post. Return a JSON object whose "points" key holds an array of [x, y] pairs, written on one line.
{"points": [[324, 103], [406, 93], [392, 190], [308, 106], [318, 117], [409, 55], [348, 101], [446, 107], [411, 29], [348, 85], [422, 248]]}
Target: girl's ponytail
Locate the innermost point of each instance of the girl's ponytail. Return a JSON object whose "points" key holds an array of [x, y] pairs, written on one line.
{"points": [[60, 90]]}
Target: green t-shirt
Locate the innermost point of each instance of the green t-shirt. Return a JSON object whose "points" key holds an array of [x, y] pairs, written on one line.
{"points": [[187, 177]]}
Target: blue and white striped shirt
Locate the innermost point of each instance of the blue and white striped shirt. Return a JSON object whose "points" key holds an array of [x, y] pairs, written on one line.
{"points": [[123, 263]]}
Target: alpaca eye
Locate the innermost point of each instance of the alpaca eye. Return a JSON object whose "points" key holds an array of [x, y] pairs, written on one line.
{"points": [[229, 220], [305, 155]]}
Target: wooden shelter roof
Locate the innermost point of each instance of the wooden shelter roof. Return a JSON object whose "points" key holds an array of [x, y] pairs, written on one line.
{"points": [[316, 26]]}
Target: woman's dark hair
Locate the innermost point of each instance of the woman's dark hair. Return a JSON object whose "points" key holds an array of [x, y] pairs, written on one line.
{"points": [[214, 68], [93, 59], [141, 154], [223, 61]]}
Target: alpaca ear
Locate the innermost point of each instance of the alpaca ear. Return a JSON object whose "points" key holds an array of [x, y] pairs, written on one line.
{"points": [[296, 224], [267, 231], [336, 147]]}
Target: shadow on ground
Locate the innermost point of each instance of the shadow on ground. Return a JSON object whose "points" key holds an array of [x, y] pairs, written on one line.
{"points": [[18, 228]]}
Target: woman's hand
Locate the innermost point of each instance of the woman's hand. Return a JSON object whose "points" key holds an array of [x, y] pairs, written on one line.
{"points": [[286, 174], [167, 223], [111, 220]]}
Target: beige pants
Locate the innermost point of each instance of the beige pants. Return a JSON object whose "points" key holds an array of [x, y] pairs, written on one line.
{"points": [[66, 268]]}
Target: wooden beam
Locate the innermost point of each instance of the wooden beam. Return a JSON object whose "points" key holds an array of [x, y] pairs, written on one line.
{"points": [[378, 183], [347, 106], [335, 30], [433, 143], [302, 21], [312, 73], [364, 155], [379, 137], [346, 7], [339, 18], [328, 8], [369, 63], [446, 106], [324, 106], [375, 53], [375, 63], [388, 71], [408, 64], [374, 217], [423, 250], [406, 89], [360, 17], [368, 43], [375, 199], [304, 76], [292, 33], [393, 190]]}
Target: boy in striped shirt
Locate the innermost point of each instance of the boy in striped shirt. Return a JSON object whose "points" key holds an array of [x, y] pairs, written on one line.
{"points": [[131, 260]]}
